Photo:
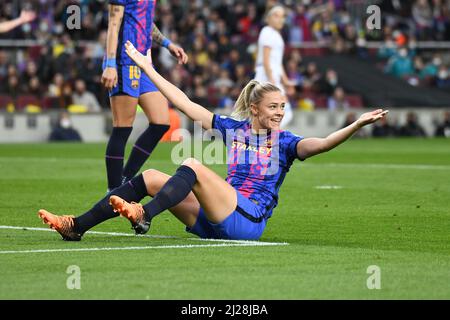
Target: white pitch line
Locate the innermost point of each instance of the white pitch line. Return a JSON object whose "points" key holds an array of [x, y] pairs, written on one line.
{"points": [[188, 246], [328, 187], [117, 234], [222, 242]]}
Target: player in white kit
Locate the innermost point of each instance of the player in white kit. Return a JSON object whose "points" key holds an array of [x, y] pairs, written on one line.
{"points": [[269, 61]]}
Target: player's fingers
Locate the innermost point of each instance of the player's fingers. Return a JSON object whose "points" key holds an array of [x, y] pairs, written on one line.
{"points": [[185, 57], [375, 112], [110, 83]]}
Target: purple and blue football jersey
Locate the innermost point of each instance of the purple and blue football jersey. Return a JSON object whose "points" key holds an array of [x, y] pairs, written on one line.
{"points": [[136, 27], [257, 163]]}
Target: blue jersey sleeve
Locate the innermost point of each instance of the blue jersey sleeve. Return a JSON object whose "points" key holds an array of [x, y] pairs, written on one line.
{"points": [[224, 123], [291, 140]]}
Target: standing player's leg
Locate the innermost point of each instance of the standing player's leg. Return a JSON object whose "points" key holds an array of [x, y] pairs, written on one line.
{"points": [[123, 109], [156, 108], [124, 99]]}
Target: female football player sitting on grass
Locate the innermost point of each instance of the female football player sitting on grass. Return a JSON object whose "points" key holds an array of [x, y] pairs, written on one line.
{"points": [[260, 155]]}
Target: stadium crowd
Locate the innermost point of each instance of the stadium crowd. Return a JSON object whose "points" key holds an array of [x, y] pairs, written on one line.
{"points": [[64, 68]]}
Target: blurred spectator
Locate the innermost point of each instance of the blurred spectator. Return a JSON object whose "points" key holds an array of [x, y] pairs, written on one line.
{"points": [[412, 128], [64, 131], [225, 100], [224, 80], [329, 84], [431, 69], [12, 87], [3, 64], [85, 98], [325, 28], [30, 72], [389, 47], [300, 30], [55, 88], [65, 99], [401, 65], [35, 87], [338, 101], [383, 128], [312, 74], [443, 128], [423, 18], [443, 78], [293, 73]]}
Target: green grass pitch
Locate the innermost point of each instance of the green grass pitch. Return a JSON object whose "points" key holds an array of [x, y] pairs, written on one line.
{"points": [[369, 202]]}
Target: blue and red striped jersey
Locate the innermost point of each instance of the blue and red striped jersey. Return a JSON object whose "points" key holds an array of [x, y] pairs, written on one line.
{"points": [[136, 27], [257, 163]]}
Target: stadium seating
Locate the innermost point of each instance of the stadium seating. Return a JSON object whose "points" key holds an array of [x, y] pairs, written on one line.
{"points": [[5, 100], [23, 101]]}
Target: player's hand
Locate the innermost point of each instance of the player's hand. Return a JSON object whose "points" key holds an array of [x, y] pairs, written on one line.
{"points": [[109, 78], [27, 16], [371, 117], [138, 57], [178, 53]]}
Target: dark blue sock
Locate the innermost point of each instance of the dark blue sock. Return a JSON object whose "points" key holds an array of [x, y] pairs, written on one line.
{"points": [[143, 148], [172, 193], [133, 190], [114, 155]]}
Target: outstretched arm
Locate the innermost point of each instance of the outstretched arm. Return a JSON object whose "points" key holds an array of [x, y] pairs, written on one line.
{"points": [[25, 16], [311, 146], [163, 41], [177, 97]]}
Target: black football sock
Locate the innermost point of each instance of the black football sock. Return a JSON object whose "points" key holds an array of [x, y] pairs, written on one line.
{"points": [[114, 155], [172, 193], [133, 190], [143, 148]]}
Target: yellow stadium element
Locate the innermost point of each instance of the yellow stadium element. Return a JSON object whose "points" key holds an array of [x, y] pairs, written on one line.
{"points": [[306, 104], [10, 107], [58, 49], [31, 108], [77, 108]]}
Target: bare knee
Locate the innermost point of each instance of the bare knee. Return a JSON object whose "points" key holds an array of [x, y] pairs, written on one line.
{"points": [[192, 163], [149, 173], [161, 122], [123, 121], [154, 180]]}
